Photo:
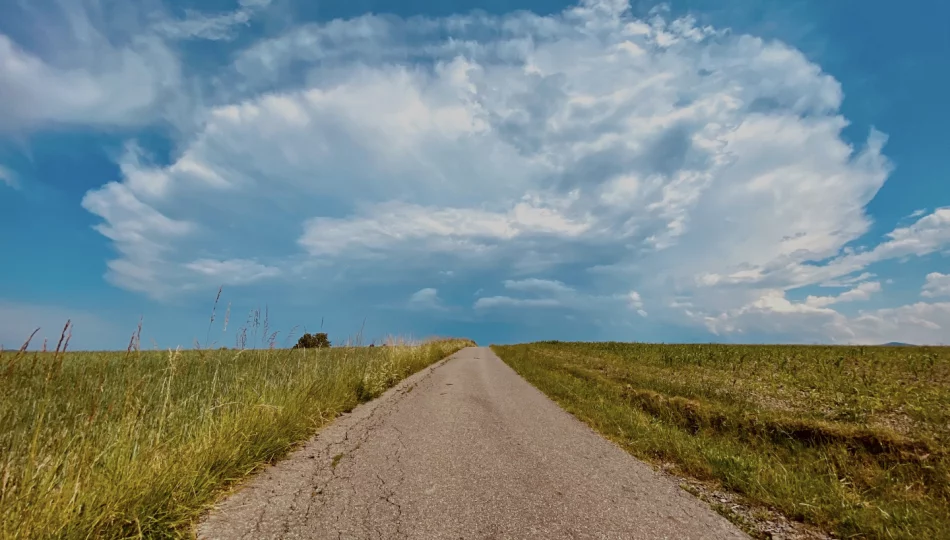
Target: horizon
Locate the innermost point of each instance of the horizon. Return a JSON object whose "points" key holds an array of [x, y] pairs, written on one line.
{"points": [[510, 172]]}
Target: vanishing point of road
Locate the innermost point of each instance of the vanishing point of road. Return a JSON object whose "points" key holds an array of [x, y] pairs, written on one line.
{"points": [[465, 449]]}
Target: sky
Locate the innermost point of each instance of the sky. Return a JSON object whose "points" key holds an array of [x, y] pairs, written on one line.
{"points": [[508, 171]]}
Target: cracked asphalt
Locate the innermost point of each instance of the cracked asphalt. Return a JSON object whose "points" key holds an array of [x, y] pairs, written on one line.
{"points": [[463, 449]]}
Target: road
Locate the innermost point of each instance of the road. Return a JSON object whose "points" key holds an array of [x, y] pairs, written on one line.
{"points": [[463, 449]]}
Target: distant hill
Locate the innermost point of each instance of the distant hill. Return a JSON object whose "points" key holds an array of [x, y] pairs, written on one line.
{"points": [[899, 344]]}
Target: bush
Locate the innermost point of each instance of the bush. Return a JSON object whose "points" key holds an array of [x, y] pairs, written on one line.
{"points": [[313, 341]]}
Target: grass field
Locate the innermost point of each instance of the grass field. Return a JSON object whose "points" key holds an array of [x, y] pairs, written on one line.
{"points": [[853, 440], [137, 444]]}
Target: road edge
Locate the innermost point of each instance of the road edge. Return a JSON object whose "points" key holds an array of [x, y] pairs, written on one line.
{"points": [[325, 447]]}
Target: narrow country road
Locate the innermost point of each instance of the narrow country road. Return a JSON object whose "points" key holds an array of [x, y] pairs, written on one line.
{"points": [[464, 449]]}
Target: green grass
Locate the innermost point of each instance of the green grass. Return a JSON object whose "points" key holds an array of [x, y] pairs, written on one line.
{"points": [[853, 440], [131, 445]]}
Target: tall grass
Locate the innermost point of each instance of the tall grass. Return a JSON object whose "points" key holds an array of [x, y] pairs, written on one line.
{"points": [[853, 440], [136, 444]]}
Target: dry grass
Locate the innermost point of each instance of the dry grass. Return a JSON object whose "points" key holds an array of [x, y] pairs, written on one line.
{"points": [[851, 439], [136, 444]]}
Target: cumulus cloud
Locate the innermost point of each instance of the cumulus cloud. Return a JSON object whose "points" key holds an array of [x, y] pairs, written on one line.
{"points": [[862, 292], [392, 226], [920, 323], [705, 170], [937, 285], [774, 316], [87, 74], [426, 299]]}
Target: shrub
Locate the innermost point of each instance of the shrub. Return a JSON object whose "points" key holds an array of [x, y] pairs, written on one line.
{"points": [[313, 341]]}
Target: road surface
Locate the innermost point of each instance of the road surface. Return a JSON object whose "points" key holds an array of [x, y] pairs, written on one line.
{"points": [[463, 449]]}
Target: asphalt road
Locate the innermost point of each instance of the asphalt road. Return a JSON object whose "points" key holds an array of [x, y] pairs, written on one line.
{"points": [[464, 449]]}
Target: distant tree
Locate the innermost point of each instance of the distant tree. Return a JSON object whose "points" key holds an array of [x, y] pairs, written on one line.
{"points": [[313, 341]]}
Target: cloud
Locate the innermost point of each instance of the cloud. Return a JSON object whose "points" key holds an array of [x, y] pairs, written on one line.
{"points": [[546, 294], [927, 235], [88, 74], [920, 323], [635, 302], [862, 292], [937, 285], [391, 226], [537, 285], [848, 281], [233, 271], [199, 25], [426, 299], [774, 317], [489, 302], [8, 177], [704, 169]]}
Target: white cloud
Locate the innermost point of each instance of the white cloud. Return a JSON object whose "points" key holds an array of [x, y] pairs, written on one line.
{"points": [[537, 285], [848, 281], [88, 64], [862, 292], [427, 299], [927, 235], [920, 323], [775, 316], [8, 177], [86, 77], [937, 285], [507, 301], [545, 293], [221, 26], [233, 271], [391, 226], [705, 170]]}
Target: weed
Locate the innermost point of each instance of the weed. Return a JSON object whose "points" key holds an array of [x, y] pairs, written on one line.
{"points": [[137, 443], [850, 439]]}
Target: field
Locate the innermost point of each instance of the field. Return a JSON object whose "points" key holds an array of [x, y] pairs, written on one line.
{"points": [[137, 444], [852, 440]]}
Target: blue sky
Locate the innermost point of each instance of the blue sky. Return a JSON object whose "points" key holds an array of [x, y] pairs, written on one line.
{"points": [[508, 171]]}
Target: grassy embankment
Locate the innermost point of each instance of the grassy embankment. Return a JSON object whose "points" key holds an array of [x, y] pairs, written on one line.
{"points": [[851, 439], [137, 444]]}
